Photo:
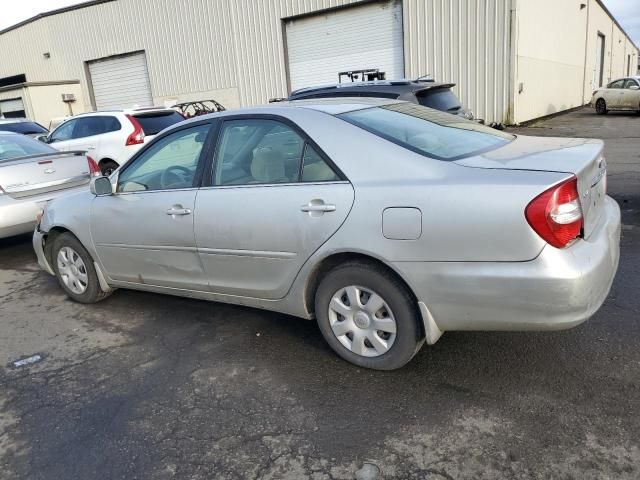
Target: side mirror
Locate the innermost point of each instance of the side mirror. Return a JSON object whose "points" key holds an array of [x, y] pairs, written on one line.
{"points": [[101, 186], [634, 87], [43, 138]]}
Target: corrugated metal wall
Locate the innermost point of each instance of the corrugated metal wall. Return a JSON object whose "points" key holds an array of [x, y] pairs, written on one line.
{"points": [[238, 45], [466, 42]]}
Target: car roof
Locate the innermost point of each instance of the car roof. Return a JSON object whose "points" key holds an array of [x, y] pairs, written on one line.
{"points": [[15, 120], [331, 106], [382, 86]]}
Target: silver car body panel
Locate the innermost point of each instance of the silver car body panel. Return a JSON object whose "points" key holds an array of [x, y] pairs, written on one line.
{"points": [[27, 183], [476, 264]]}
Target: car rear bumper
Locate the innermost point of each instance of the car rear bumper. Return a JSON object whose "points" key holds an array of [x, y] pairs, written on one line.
{"points": [[559, 289], [18, 215]]}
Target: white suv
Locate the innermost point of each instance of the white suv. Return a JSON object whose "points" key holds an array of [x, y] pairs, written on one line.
{"points": [[111, 137]]}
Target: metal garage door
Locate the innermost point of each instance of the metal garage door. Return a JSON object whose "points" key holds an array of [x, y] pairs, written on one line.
{"points": [[367, 36], [13, 108], [121, 82]]}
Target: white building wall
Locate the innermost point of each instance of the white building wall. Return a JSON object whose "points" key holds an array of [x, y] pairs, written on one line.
{"points": [[556, 49]]}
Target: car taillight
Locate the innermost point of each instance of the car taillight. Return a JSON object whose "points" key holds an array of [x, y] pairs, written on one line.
{"points": [[556, 214], [94, 169], [137, 137]]}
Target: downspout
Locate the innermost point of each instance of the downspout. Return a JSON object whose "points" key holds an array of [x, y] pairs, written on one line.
{"points": [[513, 58], [586, 49]]}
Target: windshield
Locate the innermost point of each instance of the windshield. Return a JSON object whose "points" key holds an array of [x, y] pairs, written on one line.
{"points": [[26, 128], [428, 132], [14, 146], [154, 123]]}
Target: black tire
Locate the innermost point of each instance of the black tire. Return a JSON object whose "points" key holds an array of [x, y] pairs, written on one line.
{"points": [[92, 293], [107, 167], [408, 336], [601, 107]]}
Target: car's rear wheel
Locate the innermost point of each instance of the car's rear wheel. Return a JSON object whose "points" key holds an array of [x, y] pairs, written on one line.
{"points": [[75, 270], [367, 316], [601, 107], [107, 167]]}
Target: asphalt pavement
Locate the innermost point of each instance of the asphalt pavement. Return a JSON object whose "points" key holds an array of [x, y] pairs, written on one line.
{"points": [[143, 386]]}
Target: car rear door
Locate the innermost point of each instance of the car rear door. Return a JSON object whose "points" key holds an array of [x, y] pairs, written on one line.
{"points": [[143, 233], [272, 198]]}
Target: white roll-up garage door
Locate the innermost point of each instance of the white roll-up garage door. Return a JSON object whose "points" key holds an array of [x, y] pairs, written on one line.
{"points": [[355, 38], [13, 106], [121, 82]]}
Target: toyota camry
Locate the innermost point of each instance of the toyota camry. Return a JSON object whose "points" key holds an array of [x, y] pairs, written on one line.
{"points": [[387, 222]]}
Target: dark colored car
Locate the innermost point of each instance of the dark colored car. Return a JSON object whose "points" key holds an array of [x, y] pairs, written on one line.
{"points": [[22, 125], [423, 92]]}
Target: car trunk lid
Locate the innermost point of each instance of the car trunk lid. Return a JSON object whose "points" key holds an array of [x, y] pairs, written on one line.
{"points": [[580, 157], [37, 174]]}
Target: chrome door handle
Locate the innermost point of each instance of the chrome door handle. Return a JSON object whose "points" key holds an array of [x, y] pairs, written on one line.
{"points": [[178, 211], [318, 208]]}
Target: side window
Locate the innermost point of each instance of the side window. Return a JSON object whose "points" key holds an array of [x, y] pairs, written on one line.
{"points": [[630, 82], [255, 151], [616, 84], [167, 164], [63, 132], [315, 169], [90, 126], [110, 124], [87, 127]]}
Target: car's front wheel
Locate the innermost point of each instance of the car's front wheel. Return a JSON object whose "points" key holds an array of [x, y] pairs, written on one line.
{"points": [[75, 270], [367, 316], [601, 107]]}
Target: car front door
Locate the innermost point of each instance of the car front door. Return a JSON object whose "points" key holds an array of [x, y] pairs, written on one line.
{"points": [[143, 233], [61, 137], [272, 198], [631, 95], [614, 93]]}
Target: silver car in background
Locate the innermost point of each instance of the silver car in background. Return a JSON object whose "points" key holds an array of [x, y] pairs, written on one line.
{"points": [[32, 173], [388, 222]]}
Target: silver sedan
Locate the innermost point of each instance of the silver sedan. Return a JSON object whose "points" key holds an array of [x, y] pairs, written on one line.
{"points": [[31, 174], [387, 222]]}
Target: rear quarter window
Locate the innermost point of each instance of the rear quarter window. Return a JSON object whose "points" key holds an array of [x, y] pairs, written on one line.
{"points": [[441, 99], [429, 132], [154, 123]]}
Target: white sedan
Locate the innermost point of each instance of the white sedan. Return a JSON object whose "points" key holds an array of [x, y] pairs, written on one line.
{"points": [[621, 94]]}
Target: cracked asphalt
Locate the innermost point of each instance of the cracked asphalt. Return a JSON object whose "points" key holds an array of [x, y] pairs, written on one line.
{"points": [[143, 386]]}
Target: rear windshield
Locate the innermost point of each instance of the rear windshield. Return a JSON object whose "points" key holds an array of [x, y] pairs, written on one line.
{"points": [[441, 99], [428, 132], [26, 128], [14, 146], [154, 123]]}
